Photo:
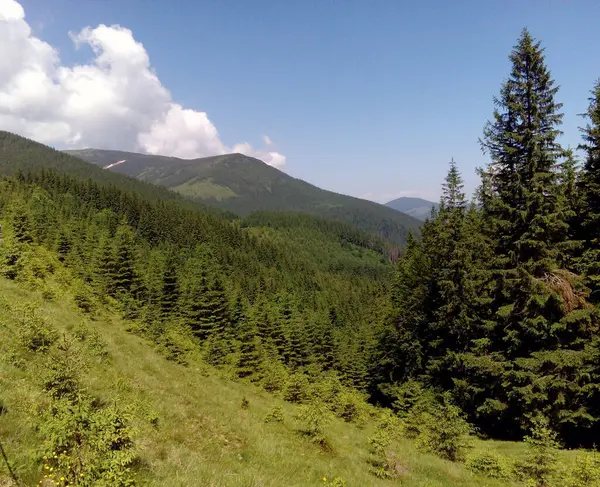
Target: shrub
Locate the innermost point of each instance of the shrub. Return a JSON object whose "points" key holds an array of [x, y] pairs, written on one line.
{"points": [[93, 341], [384, 462], [313, 419], [444, 432], [585, 473], [175, 345], [61, 378], [274, 377], [539, 465], [245, 403], [34, 332], [275, 415], [489, 465], [83, 297], [297, 389], [410, 396]]}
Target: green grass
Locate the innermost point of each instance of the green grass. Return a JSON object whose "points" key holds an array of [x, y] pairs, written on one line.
{"points": [[203, 437], [204, 188]]}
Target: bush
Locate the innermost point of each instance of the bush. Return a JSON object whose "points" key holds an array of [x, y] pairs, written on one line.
{"points": [[585, 473], [410, 396], [63, 370], [539, 465], [444, 432], [175, 344], [335, 482], [34, 332], [275, 415], [489, 465], [297, 389], [83, 297], [274, 377], [313, 419], [93, 341], [384, 462]]}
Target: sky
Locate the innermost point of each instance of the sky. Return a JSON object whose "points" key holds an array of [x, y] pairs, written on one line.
{"points": [[367, 98]]}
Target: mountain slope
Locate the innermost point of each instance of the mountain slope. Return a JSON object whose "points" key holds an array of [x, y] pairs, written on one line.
{"points": [[21, 154], [189, 427], [415, 207], [243, 184]]}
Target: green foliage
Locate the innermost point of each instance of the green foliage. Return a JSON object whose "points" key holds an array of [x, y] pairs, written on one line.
{"points": [[256, 187], [444, 432], [35, 332], [495, 303], [335, 482], [313, 419], [490, 465], [383, 462], [539, 466], [585, 472], [297, 389], [275, 415]]}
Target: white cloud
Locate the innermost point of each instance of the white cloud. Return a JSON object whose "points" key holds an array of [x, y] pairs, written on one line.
{"points": [[267, 140], [114, 102]]}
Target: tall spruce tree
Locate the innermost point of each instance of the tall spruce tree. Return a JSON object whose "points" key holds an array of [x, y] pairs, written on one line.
{"points": [[590, 187], [541, 324]]}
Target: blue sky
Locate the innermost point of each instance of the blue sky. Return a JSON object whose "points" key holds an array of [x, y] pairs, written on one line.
{"points": [[368, 98]]}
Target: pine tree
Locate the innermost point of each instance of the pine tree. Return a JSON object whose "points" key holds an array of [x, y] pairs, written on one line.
{"points": [[540, 320], [250, 357], [590, 187], [126, 279], [170, 292], [21, 225], [105, 265]]}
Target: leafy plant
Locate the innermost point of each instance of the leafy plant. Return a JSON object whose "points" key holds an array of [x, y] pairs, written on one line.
{"points": [[275, 415], [490, 465], [313, 418], [539, 465], [444, 432]]}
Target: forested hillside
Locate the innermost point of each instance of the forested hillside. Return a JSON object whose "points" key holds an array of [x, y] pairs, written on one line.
{"points": [[149, 340], [497, 304], [243, 184]]}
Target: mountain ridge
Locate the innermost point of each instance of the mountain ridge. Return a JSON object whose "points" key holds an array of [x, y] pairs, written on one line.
{"points": [[416, 207], [243, 184]]}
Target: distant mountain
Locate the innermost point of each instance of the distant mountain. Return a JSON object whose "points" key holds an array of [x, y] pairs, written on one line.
{"points": [[243, 184], [415, 207]]}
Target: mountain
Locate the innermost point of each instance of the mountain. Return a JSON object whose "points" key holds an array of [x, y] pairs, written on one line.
{"points": [[415, 207], [243, 184]]}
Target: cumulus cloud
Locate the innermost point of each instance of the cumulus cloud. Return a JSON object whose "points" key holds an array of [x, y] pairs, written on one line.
{"points": [[114, 102]]}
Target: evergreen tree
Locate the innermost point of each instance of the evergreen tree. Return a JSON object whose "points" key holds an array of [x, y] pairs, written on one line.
{"points": [[125, 279], [590, 187], [170, 292], [539, 320], [250, 357], [105, 265], [21, 225]]}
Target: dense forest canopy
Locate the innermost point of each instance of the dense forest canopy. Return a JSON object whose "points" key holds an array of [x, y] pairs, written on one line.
{"points": [[498, 302]]}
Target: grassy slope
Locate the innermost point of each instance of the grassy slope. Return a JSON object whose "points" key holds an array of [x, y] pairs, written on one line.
{"points": [[203, 436], [243, 184]]}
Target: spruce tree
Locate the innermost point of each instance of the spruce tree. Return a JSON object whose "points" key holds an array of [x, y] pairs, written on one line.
{"points": [[590, 187], [540, 320], [250, 356], [125, 279]]}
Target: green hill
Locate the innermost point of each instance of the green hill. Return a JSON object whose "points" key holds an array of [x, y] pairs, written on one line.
{"points": [[148, 342], [243, 184]]}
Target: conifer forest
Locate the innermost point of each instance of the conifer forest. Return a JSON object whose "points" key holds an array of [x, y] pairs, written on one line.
{"points": [[150, 339]]}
